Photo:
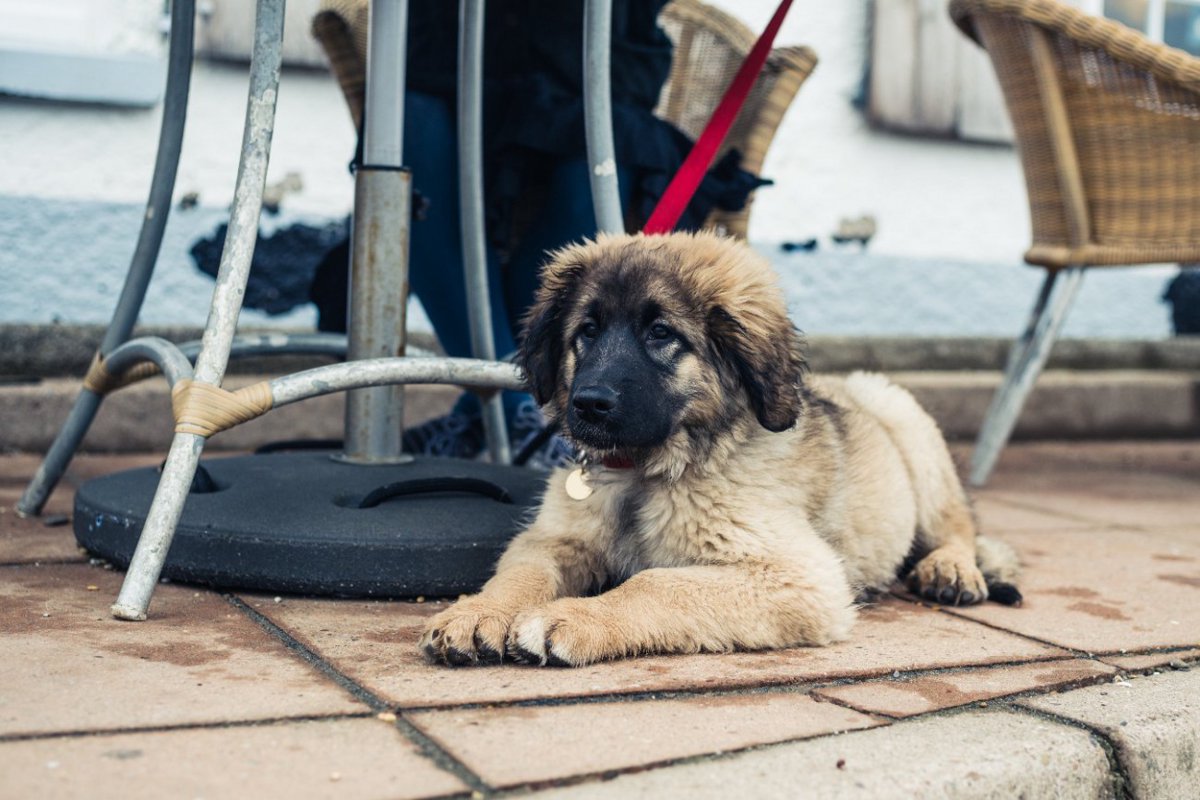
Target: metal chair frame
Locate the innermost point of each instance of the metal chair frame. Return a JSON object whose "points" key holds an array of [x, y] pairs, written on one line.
{"points": [[375, 374]]}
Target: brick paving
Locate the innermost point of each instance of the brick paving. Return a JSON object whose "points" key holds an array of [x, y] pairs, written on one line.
{"points": [[223, 695]]}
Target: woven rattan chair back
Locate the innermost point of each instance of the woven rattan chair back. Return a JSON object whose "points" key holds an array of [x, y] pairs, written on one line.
{"points": [[709, 47], [1108, 128]]}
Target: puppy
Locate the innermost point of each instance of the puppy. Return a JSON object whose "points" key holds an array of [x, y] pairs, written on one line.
{"points": [[726, 501]]}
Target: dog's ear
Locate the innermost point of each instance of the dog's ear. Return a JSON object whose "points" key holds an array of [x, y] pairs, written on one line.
{"points": [[541, 350], [768, 357]]}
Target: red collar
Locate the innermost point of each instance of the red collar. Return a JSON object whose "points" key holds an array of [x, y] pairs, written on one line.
{"points": [[617, 462]]}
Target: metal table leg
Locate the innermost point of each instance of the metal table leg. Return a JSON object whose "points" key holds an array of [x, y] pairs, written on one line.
{"points": [[470, 193], [184, 455], [145, 255], [597, 99]]}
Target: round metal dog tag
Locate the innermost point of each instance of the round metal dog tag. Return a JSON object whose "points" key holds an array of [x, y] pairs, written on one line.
{"points": [[577, 485]]}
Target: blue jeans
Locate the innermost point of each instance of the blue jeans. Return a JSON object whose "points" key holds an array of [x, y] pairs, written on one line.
{"points": [[436, 260]]}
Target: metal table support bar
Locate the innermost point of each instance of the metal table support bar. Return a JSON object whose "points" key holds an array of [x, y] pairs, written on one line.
{"points": [[470, 199], [180, 467], [145, 255], [466, 372], [379, 242], [597, 111]]}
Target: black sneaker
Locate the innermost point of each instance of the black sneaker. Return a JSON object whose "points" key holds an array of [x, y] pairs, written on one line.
{"points": [[455, 435]]}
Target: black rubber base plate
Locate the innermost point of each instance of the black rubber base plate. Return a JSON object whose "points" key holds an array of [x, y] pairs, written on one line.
{"points": [[288, 522]]}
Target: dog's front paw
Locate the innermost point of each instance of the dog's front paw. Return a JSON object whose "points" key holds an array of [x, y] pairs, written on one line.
{"points": [[565, 633], [948, 575], [470, 632]]}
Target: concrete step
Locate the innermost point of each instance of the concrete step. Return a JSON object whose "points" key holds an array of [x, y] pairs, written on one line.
{"points": [[1066, 404], [57, 351]]}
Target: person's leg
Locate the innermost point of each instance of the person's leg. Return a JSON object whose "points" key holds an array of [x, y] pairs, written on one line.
{"points": [[568, 216], [435, 244], [436, 269]]}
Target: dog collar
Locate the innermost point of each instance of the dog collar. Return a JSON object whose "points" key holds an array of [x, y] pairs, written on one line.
{"points": [[617, 462]]}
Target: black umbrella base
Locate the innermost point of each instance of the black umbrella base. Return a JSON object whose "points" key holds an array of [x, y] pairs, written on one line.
{"points": [[304, 523]]}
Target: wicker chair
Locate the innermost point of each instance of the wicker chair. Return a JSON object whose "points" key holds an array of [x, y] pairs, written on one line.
{"points": [[709, 47], [1108, 129]]}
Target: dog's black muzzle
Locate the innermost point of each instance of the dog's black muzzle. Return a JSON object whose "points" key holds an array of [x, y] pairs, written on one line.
{"points": [[618, 400]]}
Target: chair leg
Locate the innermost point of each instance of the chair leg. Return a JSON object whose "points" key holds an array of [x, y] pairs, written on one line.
{"points": [[59, 456], [154, 541], [1025, 363]]}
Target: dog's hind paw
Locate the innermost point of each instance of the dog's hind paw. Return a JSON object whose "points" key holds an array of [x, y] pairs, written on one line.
{"points": [[469, 633], [949, 576]]}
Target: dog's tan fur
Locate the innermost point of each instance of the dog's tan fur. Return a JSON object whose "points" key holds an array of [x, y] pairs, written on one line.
{"points": [[728, 536]]}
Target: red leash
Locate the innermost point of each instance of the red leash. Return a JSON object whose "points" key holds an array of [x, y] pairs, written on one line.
{"points": [[679, 192]]}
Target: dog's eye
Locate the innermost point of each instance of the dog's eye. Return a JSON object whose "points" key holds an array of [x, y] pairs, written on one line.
{"points": [[660, 332], [589, 330]]}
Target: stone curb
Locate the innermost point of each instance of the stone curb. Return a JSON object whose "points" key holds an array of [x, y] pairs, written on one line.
{"points": [[1130, 738], [1153, 724], [979, 754], [1064, 405]]}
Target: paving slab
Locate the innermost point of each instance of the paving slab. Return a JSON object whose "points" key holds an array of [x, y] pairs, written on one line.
{"points": [[1188, 534], [1154, 723], [997, 515], [981, 754], [1146, 661], [350, 758], [1142, 485], [375, 643], [925, 693], [69, 666], [1102, 591], [588, 738], [1139, 500]]}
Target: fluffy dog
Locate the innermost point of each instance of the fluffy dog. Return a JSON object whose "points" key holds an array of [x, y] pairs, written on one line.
{"points": [[726, 501]]}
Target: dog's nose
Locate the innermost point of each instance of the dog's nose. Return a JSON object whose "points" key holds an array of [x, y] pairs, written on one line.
{"points": [[594, 403]]}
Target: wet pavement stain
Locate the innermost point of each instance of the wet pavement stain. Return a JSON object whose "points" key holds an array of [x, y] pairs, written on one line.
{"points": [[1071, 591], [1183, 580], [1099, 610], [940, 694]]}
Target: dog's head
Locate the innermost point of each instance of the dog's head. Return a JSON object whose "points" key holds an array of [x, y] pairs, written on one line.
{"points": [[637, 342]]}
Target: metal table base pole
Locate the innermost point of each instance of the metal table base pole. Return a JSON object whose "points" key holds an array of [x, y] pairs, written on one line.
{"points": [[379, 243], [184, 455], [141, 265]]}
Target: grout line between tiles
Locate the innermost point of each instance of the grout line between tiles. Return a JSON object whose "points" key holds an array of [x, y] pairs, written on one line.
{"points": [[187, 726], [1002, 700], [955, 613], [429, 748], [524, 789], [44, 562], [779, 687]]}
